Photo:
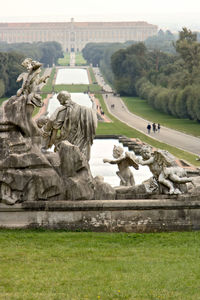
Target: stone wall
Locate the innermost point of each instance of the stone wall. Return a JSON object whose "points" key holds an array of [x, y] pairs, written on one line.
{"points": [[142, 215]]}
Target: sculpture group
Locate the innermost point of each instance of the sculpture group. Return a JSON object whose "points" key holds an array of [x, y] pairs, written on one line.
{"points": [[29, 172]]}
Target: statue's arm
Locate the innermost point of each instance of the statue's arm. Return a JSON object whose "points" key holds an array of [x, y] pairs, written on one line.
{"points": [[145, 162], [112, 162]]}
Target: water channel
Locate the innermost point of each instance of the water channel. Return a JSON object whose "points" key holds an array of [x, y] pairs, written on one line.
{"points": [[72, 76], [101, 148]]}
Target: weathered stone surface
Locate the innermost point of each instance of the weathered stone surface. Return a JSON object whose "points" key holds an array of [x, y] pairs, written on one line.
{"points": [[103, 190], [153, 215]]}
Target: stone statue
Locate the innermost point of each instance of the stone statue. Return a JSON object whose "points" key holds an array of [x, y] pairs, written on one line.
{"points": [[29, 174], [123, 162], [72, 122], [31, 82], [165, 170]]}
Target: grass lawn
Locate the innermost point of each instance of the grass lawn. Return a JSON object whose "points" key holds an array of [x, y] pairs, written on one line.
{"points": [[79, 59], [92, 76], [77, 88], [107, 266], [141, 108], [64, 61], [47, 88], [119, 128]]}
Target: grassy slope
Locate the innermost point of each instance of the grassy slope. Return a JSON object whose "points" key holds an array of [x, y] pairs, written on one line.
{"points": [[64, 61], [65, 265], [77, 88], [92, 76], [122, 129], [142, 108], [79, 59], [47, 88]]}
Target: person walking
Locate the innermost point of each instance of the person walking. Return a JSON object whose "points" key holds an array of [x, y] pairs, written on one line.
{"points": [[149, 128], [154, 127], [158, 127]]}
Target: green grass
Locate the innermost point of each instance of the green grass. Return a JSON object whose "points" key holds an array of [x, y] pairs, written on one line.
{"points": [[76, 266], [77, 88], [119, 128], [49, 85], [37, 109], [79, 59], [64, 61], [141, 108], [92, 76]]}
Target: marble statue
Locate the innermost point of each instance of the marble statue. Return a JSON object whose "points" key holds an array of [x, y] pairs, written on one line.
{"points": [[72, 122], [29, 174], [31, 82], [165, 170], [124, 161]]}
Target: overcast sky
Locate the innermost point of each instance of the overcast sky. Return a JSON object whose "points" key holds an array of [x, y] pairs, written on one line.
{"points": [[172, 14]]}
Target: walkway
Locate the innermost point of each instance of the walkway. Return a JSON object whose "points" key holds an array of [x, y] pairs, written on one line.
{"points": [[166, 135], [72, 59]]}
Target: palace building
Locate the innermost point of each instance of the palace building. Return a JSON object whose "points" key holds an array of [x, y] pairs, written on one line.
{"points": [[73, 36]]}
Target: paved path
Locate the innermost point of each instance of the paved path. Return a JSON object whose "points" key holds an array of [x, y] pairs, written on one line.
{"points": [[166, 135], [169, 136]]}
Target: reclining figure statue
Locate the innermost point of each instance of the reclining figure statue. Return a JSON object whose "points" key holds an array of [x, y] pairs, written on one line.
{"points": [[165, 170]]}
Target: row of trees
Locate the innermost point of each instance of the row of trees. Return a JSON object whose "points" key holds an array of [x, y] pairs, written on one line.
{"points": [[175, 89], [12, 55], [165, 70], [10, 68], [99, 54], [45, 52]]}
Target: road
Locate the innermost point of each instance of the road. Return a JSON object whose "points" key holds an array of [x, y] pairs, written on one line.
{"points": [[166, 135], [169, 136]]}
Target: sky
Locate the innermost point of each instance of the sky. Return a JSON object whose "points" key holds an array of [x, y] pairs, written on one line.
{"points": [[168, 14]]}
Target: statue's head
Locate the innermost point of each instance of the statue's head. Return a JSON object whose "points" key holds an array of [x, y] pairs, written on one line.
{"points": [[30, 64], [117, 151], [146, 152], [41, 121], [63, 97]]}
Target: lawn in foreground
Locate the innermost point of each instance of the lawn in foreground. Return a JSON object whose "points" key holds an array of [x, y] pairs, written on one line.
{"points": [[141, 108], [66, 265]]}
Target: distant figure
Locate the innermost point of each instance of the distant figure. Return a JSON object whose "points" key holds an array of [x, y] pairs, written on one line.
{"points": [[158, 127], [154, 127], [112, 105], [149, 128]]}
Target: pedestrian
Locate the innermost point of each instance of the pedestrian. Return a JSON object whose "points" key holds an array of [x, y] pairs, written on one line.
{"points": [[149, 128], [158, 127], [154, 127]]}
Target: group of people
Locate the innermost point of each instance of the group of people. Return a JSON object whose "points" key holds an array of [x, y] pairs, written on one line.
{"points": [[154, 128]]}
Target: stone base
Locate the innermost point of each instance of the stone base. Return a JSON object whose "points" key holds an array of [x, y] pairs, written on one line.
{"points": [[144, 215]]}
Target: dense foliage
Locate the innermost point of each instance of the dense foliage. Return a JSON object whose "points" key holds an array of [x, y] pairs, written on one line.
{"points": [[165, 70], [10, 68], [99, 55], [175, 87], [45, 52], [163, 41], [12, 55]]}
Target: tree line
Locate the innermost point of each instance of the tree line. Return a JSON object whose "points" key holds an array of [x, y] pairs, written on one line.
{"points": [[164, 70], [12, 55]]}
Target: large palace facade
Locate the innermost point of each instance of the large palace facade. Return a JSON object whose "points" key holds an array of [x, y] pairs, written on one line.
{"points": [[73, 36]]}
